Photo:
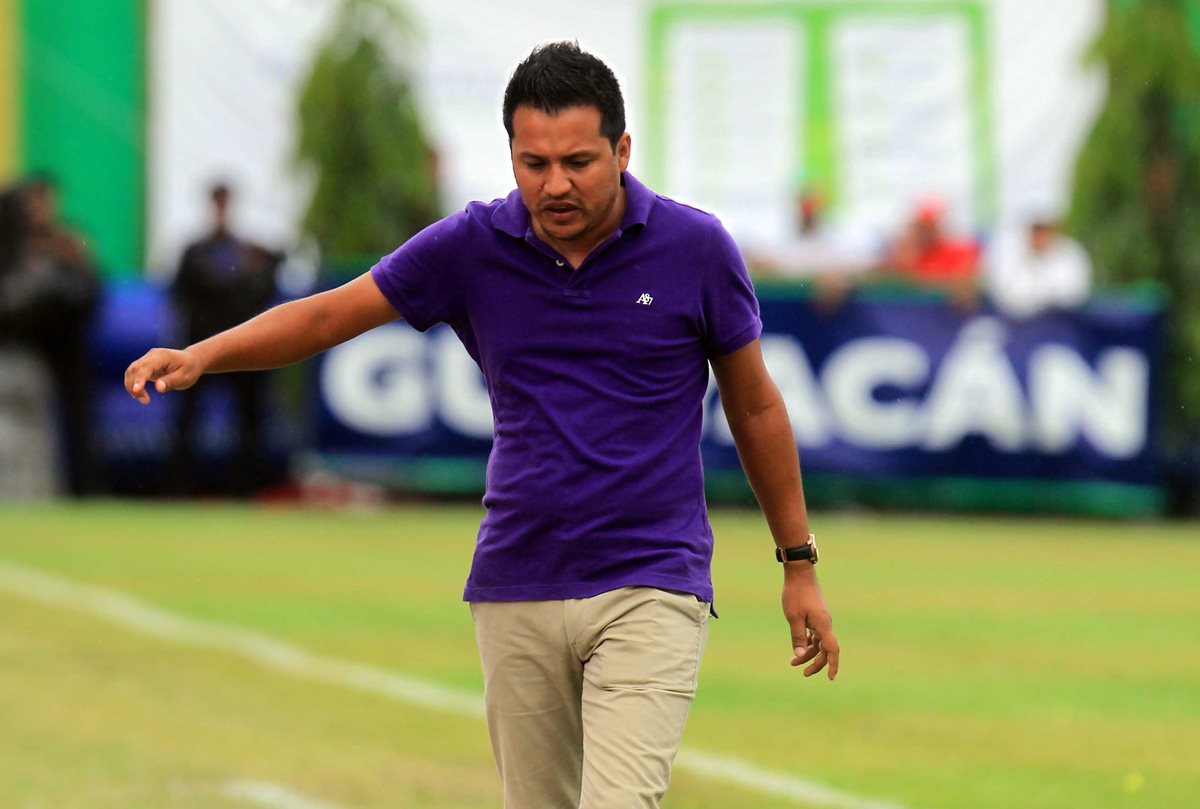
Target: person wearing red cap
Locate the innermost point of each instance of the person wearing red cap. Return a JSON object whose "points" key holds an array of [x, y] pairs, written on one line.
{"points": [[928, 255]]}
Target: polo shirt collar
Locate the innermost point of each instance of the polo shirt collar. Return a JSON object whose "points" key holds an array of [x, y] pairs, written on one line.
{"points": [[512, 217]]}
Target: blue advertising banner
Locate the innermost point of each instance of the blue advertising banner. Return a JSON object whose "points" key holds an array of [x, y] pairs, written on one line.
{"points": [[900, 401], [907, 394], [917, 388]]}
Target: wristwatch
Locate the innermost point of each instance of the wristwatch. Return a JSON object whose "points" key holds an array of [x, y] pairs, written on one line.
{"points": [[799, 553]]}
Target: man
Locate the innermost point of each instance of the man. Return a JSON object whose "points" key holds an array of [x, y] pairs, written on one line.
{"points": [[1037, 268], [28, 468], [593, 308], [222, 281], [927, 255], [56, 261], [818, 248]]}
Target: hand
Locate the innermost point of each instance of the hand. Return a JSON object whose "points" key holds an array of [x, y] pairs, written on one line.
{"points": [[167, 368], [812, 626]]}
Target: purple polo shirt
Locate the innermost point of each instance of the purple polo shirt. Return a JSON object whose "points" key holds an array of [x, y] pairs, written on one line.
{"points": [[596, 378]]}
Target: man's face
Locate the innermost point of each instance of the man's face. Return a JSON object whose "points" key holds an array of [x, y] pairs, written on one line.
{"points": [[1041, 236], [568, 174], [928, 231], [220, 210], [808, 211], [42, 206]]}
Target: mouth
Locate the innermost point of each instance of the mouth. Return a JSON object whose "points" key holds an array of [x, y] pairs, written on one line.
{"points": [[559, 211]]}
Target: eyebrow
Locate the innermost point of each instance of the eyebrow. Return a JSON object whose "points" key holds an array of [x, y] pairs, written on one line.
{"points": [[577, 155]]}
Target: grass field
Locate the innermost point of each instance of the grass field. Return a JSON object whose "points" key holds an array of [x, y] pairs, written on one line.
{"points": [[987, 663]]}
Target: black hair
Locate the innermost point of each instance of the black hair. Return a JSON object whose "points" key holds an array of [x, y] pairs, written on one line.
{"points": [[12, 226], [560, 75], [41, 180]]}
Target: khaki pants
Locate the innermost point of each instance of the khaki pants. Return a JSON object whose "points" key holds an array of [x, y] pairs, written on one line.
{"points": [[587, 698]]}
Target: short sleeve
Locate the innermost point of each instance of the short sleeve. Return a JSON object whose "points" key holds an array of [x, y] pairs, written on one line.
{"points": [[730, 309], [422, 279]]}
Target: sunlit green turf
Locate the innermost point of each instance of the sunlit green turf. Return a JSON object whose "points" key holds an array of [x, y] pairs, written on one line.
{"points": [[987, 663]]}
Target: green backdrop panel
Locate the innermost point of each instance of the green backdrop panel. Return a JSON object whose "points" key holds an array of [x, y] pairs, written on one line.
{"points": [[83, 117]]}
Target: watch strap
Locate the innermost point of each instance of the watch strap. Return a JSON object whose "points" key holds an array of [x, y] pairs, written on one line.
{"points": [[799, 553]]}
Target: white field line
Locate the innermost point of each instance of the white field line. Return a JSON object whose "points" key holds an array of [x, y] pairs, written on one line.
{"points": [[271, 653], [262, 649], [273, 796], [776, 784]]}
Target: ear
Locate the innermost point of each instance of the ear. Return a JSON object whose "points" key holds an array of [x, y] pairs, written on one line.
{"points": [[622, 151]]}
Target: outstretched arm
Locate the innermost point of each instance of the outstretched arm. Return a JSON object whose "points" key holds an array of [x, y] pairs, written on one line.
{"points": [[759, 422], [280, 336]]}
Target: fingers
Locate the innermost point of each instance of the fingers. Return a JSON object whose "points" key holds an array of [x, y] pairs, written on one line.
{"points": [[135, 382], [160, 366], [823, 651], [172, 380], [136, 392], [826, 653], [805, 650]]}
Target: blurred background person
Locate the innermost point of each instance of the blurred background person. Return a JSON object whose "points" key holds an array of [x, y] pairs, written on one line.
{"points": [[834, 257], [55, 250], [50, 292], [1034, 267], [817, 247], [928, 255], [27, 430], [222, 280]]}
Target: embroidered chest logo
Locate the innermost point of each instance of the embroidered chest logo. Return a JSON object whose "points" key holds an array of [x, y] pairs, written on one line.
{"points": [[646, 299]]}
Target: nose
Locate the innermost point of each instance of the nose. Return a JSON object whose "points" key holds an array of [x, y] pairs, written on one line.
{"points": [[557, 183]]}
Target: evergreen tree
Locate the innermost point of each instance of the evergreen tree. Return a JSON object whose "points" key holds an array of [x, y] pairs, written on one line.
{"points": [[361, 139], [1136, 203]]}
